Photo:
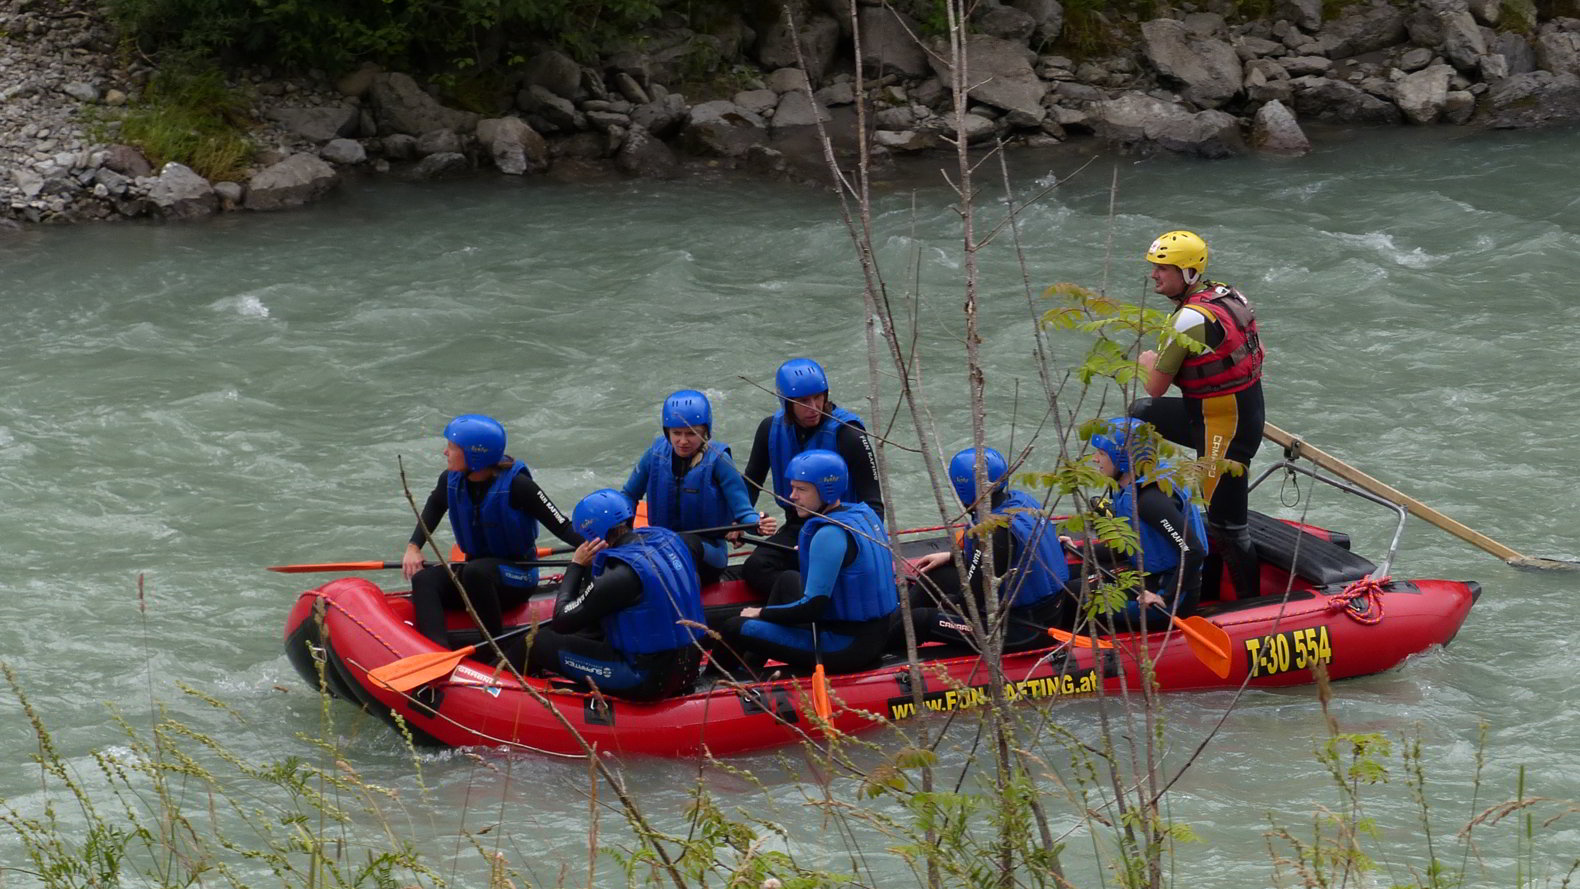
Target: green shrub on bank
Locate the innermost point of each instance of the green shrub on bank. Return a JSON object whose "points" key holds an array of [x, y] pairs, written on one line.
{"points": [[421, 35], [193, 118]]}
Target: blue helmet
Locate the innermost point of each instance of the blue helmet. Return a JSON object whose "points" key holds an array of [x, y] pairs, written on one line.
{"points": [[963, 472], [824, 470], [600, 511], [479, 437], [800, 377], [688, 407], [1120, 442]]}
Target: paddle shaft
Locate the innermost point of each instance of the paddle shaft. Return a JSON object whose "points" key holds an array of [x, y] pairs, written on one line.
{"points": [[1300, 448], [388, 566]]}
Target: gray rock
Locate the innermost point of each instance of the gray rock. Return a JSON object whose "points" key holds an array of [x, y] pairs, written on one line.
{"points": [[229, 194], [1305, 14], [1540, 98], [515, 147], [1005, 22], [889, 43], [114, 183], [762, 160], [1203, 24], [819, 37], [1487, 12], [114, 98], [180, 193], [1209, 68], [1334, 101], [317, 123], [1301, 66], [632, 90], [1000, 75], [842, 93], [1249, 48], [977, 128], [436, 166], [402, 107], [1516, 51], [1421, 95], [559, 113], [1048, 16], [28, 182], [604, 121], [439, 141], [343, 151], [784, 80], [661, 117], [1557, 50], [906, 140], [1494, 67], [1210, 134], [1274, 130], [721, 129], [900, 118], [400, 147], [556, 72], [757, 101], [356, 84], [82, 92], [1138, 120], [1415, 59], [1463, 43], [646, 157], [796, 109], [127, 160], [1363, 29], [1458, 107], [297, 180]]}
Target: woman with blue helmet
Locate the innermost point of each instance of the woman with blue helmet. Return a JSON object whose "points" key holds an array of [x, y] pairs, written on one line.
{"points": [[840, 605], [1171, 528], [495, 509], [1027, 557], [807, 419], [690, 482], [628, 614]]}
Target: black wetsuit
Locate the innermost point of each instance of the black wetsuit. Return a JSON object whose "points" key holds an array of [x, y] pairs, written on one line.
{"points": [[572, 645], [939, 613], [765, 564], [1179, 586], [432, 591]]}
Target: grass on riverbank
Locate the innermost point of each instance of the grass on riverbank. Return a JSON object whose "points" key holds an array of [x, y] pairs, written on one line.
{"points": [[192, 117]]}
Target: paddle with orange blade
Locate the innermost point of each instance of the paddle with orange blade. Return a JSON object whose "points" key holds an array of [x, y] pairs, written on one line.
{"points": [[1070, 638], [1207, 641], [385, 566], [419, 669], [820, 701]]}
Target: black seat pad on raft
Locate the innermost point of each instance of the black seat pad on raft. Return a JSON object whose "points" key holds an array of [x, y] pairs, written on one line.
{"points": [[1308, 556]]}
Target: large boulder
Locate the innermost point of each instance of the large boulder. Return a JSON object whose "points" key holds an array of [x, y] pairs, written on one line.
{"points": [[1517, 52], [1208, 68], [1304, 14], [796, 110], [722, 129], [1000, 74], [180, 193], [1421, 95], [402, 107], [1274, 130], [292, 182], [661, 117], [1363, 29], [1557, 50], [559, 113], [1529, 100], [646, 157], [1005, 22], [318, 123], [343, 151], [819, 38], [556, 72], [1138, 120], [1048, 16], [889, 43], [514, 145], [438, 166], [128, 161], [1334, 101]]}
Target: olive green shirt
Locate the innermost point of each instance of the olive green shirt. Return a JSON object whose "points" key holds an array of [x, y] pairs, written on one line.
{"points": [[1190, 323]]}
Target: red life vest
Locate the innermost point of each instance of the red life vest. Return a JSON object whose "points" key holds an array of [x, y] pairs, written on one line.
{"points": [[1236, 363]]}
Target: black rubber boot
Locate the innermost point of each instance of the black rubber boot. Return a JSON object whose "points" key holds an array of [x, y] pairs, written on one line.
{"points": [[1231, 547]]}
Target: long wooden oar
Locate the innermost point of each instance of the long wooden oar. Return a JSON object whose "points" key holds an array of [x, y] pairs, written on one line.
{"points": [[386, 566], [419, 669], [1298, 447]]}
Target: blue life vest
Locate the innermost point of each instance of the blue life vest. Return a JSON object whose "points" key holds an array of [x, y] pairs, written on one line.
{"points": [[1158, 552], [864, 589], [694, 501], [1042, 570], [492, 528], [670, 593], [783, 443]]}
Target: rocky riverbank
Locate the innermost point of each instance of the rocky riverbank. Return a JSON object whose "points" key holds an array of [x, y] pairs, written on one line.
{"points": [[1188, 81]]}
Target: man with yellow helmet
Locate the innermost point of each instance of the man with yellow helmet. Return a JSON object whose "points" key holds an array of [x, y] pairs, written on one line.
{"points": [[1221, 411]]}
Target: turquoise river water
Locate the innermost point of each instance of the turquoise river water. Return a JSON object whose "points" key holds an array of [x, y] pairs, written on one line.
{"points": [[191, 403]]}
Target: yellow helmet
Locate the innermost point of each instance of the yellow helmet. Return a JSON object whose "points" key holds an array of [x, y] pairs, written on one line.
{"points": [[1180, 248]]}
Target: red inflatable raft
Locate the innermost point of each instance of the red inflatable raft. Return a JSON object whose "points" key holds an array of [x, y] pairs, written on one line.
{"points": [[1334, 614]]}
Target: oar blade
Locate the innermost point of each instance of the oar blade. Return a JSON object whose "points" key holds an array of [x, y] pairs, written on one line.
{"points": [[1541, 564], [1068, 637], [334, 566], [419, 669], [820, 701], [1208, 642]]}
